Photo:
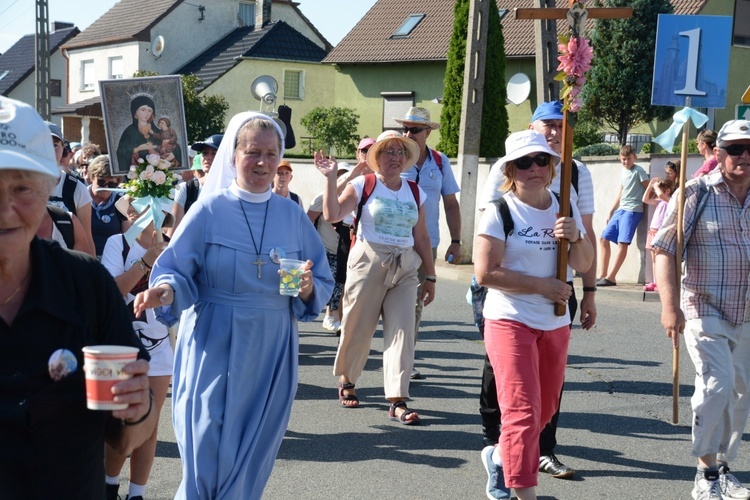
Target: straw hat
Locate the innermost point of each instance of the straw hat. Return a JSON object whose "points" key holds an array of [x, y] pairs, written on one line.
{"points": [[418, 116], [386, 138]]}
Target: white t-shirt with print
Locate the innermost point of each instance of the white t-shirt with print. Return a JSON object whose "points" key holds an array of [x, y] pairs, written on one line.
{"points": [[388, 217], [531, 249]]}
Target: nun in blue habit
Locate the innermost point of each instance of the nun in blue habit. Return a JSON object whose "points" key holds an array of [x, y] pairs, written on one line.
{"points": [[235, 371]]}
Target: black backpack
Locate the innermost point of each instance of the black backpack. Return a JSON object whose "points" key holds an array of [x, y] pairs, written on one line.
{"points": [[68, 193]]}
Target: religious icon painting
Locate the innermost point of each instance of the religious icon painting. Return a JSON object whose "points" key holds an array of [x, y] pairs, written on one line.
{"points": [[142, 117]]}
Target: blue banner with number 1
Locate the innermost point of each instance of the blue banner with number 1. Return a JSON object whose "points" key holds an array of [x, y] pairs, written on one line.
{"points": [[692, 60]]}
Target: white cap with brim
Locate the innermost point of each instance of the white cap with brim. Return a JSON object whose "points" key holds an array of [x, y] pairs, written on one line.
{"points": [[733, 130], [522, 143], [25, 140]]}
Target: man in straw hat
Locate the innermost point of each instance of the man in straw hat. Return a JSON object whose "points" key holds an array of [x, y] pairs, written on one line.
{"points": [[433, 173], [712, 311]]}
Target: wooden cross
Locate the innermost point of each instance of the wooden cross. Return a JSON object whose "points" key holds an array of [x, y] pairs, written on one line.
{"points": [[259, 263], [576, 15]]}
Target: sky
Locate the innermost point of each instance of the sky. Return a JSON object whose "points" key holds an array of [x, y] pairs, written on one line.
{"points": [[333, 18]]}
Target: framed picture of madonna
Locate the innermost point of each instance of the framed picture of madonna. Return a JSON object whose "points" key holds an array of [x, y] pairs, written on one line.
{"points": [[142, 117]]}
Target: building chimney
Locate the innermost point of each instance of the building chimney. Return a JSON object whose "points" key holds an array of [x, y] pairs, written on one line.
{"points": [[262, 13], [61, 25]]}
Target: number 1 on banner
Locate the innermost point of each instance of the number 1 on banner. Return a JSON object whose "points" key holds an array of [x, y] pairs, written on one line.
{"points": [[691, 73]]}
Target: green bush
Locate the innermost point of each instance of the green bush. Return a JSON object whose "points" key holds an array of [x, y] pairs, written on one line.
{"points": [[601, 149], [332, 130], [646, 149]]}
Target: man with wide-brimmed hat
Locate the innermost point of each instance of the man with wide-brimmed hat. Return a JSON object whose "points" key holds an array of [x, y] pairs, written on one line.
{"points": [[433, 172]]}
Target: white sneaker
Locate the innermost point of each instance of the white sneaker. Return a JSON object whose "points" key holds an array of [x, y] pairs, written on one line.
{"points": [[336, 326], [415, 375], [328, 323], [731, 488], [707, 488]]}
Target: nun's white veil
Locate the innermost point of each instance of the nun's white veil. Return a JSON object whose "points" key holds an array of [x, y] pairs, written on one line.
{"points": [[223, 170]]}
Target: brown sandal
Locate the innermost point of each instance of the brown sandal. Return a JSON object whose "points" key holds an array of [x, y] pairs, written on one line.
{"points": [[402, 418], [347, 400]]}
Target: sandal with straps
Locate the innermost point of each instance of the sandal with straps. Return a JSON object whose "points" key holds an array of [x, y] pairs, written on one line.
{"points": [[402, 418], [347, 400]]}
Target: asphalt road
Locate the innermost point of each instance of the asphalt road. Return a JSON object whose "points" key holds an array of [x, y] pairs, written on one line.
{"points": [[615, 428]]}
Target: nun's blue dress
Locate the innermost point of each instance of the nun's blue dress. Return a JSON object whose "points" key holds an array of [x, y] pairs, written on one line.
{"points": [[235, 371]]}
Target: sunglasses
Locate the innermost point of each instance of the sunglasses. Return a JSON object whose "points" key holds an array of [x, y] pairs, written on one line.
{"points": [[524, 162], [736, 149], [413, 130]]}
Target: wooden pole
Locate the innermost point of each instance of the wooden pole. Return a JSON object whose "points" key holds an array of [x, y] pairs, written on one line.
{"points": [[566, 171], [678, 269]]}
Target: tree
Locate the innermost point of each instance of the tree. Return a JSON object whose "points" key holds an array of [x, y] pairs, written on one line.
{"points": [[204, 114], [332, 129], [618, 91], [494, 114]]}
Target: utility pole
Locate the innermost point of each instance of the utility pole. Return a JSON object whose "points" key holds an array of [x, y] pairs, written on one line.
{"points": [[43, 103], [471, 118], [545, 36]]}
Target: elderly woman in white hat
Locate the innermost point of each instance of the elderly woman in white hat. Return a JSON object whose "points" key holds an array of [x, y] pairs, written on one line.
{"points": [[391, 241], [53, 302], [525, 341]]}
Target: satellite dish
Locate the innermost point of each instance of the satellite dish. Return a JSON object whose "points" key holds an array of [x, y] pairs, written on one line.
{"points": [[157, 46], [264, 89], [519, 87]]}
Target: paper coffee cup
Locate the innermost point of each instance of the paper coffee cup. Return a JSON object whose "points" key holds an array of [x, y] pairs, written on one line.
{"points": [[102, 366]]}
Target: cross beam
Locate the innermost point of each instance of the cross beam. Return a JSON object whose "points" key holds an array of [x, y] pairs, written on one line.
{"points": [[594, 13]]}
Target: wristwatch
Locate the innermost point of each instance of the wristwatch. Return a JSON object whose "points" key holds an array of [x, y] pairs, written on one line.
{"points": [[579, 239]]}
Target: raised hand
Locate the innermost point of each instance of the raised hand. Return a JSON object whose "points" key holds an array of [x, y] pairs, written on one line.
{"points": [[326, 166]]}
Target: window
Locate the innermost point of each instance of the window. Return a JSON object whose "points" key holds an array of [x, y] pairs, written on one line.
{"points": [[395, 104], [293, 84], [55, 88], [115, 68], [411, 22], [247, 14], [741, 31], [87, 75]]}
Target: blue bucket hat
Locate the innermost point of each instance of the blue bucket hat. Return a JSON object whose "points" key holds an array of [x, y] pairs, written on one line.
{"points": [[548, 111]]}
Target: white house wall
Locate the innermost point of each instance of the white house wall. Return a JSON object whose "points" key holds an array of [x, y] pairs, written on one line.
{"points": [[100, 55], [26, 90], [185, 37]]}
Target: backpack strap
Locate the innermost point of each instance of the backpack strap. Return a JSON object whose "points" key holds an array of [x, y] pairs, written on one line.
{"points": [[370, 181], [68, 192], [574, 176], [192, 189], [125, 250], [64, 224], [700, 205], [502, 207], [294, 197], [438, 158], [414, 191]]}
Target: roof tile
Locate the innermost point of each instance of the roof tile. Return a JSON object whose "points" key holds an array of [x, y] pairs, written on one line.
{"points": [[370, 40]]}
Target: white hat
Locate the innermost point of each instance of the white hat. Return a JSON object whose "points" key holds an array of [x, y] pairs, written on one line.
{"points": [[25, 140], [522, 143], [733, 130]]}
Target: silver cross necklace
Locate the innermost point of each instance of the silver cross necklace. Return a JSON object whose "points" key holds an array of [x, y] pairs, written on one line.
{"points": [[257, 248]]}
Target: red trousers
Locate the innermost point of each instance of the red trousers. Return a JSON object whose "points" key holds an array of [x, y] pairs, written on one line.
{"points": [[529, 368]]}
